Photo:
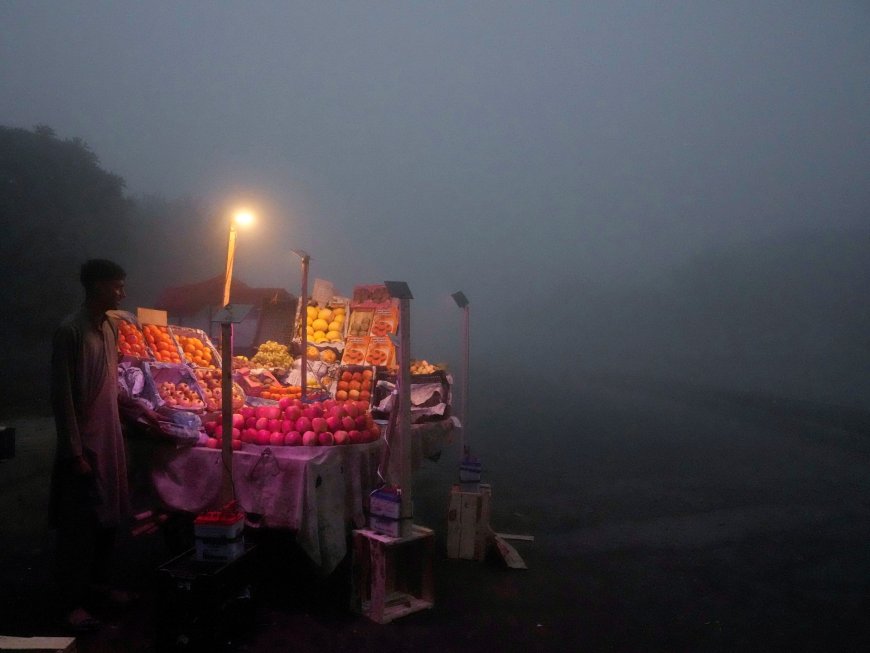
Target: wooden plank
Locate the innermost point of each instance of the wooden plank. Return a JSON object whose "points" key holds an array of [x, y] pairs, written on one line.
{"points": [[509, 554], [151, 316], [470, 503], [379, 582], [514, 536], [453, 523], [58, 644], [483, 532]]}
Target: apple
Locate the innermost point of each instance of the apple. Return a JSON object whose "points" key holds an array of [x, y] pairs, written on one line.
{"points": [[263, 436], [276, 438], [363, 406], [308, 412], [237, 433], [348, 423], [283, 403], [238, 420], [261, 411], [374, 433], [361, 422], [318, 425], [287, 425], [355, 437], [247, 412], [351, 408], [251, 422], [303, 424], [261, 423], [237, 444], [339, 411], [273, 412], [274, 425], [309, 438], [213, 443], [333, 422], [340, 437], [316, 410], [249, 435], [210, 427], [293, 439], [325, 438], [293, 413]]}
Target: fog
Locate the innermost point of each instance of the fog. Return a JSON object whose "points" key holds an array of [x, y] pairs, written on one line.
{"points": [[670, 190]]}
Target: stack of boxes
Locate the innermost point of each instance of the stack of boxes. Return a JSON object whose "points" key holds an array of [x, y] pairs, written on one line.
{"points": [[219, 534]]}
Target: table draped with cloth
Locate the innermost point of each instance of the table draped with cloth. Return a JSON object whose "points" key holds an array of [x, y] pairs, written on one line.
{"points": [[317, 492]]}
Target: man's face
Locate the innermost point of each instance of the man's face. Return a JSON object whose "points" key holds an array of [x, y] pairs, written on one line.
{"points": [[110, 293]]}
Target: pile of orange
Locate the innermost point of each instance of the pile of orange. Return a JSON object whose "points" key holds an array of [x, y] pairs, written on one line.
{"points": [[195, 351], [354, 385], [281, 391], [130, 340], [161, 344]]}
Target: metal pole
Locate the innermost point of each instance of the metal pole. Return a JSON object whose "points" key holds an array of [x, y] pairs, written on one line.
{"points": [[231, 255], [227, 493], [303, 320], [466, 356], [403, 441]]}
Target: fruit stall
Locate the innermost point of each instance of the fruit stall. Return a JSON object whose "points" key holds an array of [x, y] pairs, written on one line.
{"points": [[307, 464]]}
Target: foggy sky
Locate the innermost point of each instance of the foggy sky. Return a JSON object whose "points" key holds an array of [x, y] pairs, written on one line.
{"points": [[495, 147]]}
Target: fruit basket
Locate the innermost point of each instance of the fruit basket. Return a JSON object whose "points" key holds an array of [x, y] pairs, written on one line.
{"points": [[196, 347], [355, 382]]}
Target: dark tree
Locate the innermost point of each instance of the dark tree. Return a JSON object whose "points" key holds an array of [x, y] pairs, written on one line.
{"points": [[58, 207]]}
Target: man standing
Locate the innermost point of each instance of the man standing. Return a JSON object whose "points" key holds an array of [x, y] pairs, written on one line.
{"points": [[89, 493]]}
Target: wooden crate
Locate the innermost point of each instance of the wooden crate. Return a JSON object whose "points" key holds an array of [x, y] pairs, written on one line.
{"points": [[392, 577], [38, 644], [468, 529]]}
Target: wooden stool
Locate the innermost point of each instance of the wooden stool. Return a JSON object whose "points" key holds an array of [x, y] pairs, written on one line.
{"points": [[392, 577], [468, 529]]}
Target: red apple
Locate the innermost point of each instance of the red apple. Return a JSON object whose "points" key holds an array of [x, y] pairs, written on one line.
{"points": [[213, 443], [341, 437], [287, 425], [363, 406], [293, 439], [238, 420], [247, 412], [308, 412], [374, 433], [276, 438], [261, 411], [318, 425], [262, 423], [333, 422], [283, 403], [309, 438], [237, 433], [293, 413], [355, 437], [303, 424], [274, 425], [210, 427], [316, 410], [249, 435], [263, 436], [361, 422], [351, 408], [339, 411], [325, 438], [251, 422], [237, 444]]}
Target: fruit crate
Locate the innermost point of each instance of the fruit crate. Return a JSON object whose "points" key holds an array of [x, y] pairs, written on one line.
{"points": [[161, 343], [169, 378], [131, 341], [196, 347]]}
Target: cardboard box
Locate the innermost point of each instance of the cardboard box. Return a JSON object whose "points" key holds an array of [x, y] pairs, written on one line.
{"points": [[386, 502], [355, 350], [385, 321], [381, 352]]}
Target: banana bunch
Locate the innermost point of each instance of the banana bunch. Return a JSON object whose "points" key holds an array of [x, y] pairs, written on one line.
{"points": [[422, 367], [272, 354]]}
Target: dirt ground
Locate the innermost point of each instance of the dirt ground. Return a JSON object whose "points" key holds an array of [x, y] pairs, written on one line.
{"points": [[663, 521]]}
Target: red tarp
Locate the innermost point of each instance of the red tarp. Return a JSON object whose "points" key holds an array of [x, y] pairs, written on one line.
{"points": [[192, 298]]}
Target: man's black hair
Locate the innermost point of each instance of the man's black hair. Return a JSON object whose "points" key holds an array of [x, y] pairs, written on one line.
{"points": [[100, 269]]}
